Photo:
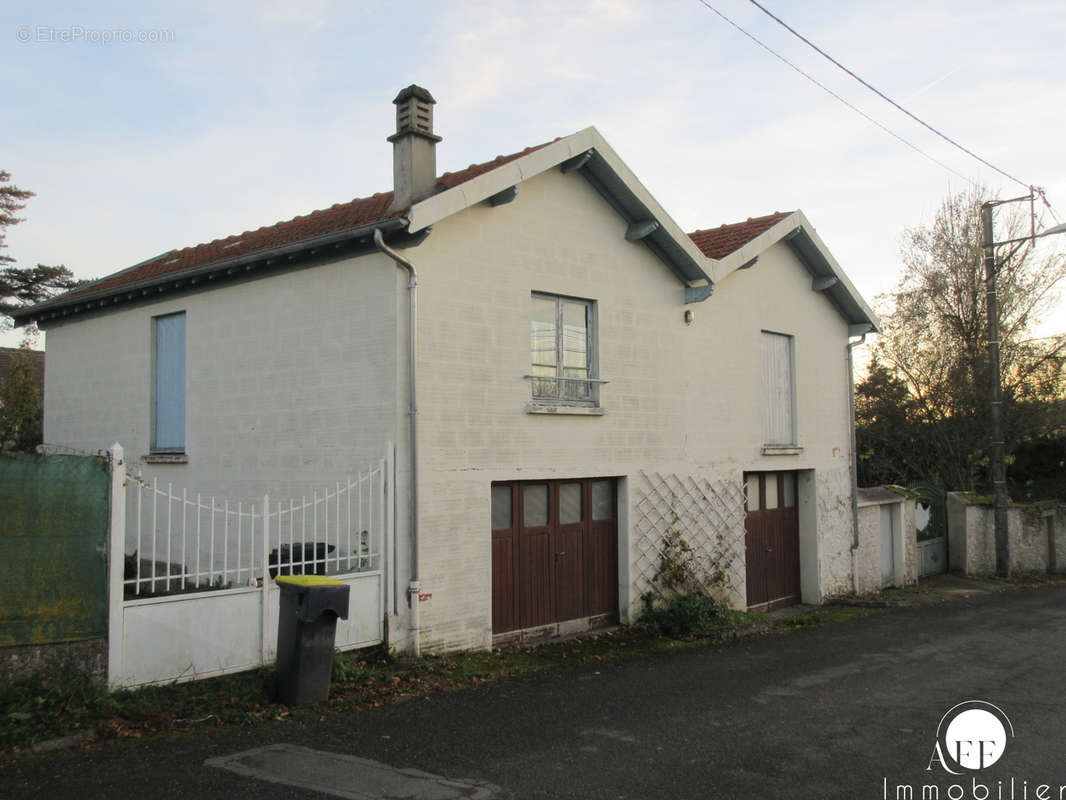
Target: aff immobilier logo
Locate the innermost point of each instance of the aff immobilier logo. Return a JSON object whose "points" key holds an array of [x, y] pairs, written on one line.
{"points": [[972, 736]]}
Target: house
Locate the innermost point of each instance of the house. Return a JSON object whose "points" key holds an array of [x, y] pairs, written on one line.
{"points": [[567, 375]]}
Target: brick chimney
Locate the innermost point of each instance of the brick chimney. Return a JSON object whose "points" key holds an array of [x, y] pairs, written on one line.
{"points": [[414, 158]]}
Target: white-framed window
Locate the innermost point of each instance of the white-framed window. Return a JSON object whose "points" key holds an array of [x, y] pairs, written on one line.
{"points": [[778, 390], [168, 383], [563, 351]]}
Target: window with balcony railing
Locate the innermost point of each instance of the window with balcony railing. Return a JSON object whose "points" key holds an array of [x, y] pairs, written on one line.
{"points": [[563, 347]]}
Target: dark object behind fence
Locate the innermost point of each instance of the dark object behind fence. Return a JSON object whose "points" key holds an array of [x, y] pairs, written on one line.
{"points": [[301, 558]]}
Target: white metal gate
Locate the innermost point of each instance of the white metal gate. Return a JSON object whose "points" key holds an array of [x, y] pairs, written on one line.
{"points": [[194, 593]]}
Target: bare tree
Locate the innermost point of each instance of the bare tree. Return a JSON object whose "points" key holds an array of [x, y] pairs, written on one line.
{"points": [[935, 335]]}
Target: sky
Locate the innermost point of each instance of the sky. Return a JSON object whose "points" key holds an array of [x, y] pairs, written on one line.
{"points": [[145, 128]]}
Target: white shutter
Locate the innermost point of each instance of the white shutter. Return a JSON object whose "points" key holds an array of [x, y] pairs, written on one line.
{"points": [[778, 418]]}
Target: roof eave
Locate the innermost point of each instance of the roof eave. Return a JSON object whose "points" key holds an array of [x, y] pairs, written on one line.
{"points": [[796, 231], [605, 171], [811, 250], [66, 306]]}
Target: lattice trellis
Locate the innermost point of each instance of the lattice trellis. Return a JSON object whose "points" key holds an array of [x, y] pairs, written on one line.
{"points": [[706, 517]]}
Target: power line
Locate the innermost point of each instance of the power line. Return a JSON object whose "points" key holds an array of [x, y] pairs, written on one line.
{"points": [[1043, 199], [833, 94], [884, 96]]}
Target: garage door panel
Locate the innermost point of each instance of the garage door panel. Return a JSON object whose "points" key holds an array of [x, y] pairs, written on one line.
{"points": [[601, 559], [560, 560], [569, 573], [772, 540], [535, 578], [504, 605]]}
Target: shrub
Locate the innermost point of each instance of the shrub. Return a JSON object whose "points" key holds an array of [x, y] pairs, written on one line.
{"points": [[682, 614]]}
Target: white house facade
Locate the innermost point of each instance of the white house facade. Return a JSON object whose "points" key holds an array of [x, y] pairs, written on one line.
{"points": [[589, 378]]}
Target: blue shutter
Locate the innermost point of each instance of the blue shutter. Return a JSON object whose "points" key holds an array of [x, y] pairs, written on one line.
{"points": [[170, 382]]}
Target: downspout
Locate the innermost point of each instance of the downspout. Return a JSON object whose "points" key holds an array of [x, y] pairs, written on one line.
{"points": [[854, 467], [413, 587]]}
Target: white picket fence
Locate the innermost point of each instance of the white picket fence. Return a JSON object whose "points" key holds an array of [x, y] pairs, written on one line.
{"points": [[192, 576]]}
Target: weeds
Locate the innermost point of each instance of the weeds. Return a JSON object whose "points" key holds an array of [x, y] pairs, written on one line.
{"points": [[36, 707], [684, 596], [39, 708]]}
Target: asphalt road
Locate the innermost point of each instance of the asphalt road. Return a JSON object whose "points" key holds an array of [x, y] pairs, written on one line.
{"points": [[848, 710]]}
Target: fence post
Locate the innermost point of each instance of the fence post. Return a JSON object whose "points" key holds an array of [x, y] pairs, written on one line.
{"points": [[265, 584], [116, 550]]}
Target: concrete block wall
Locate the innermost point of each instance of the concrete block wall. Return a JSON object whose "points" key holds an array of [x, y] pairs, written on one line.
{"points": [[290, 380], [682, 399], [1036, 534]]}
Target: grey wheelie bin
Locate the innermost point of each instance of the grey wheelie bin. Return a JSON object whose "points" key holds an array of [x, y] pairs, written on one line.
{"points": [[307, 624]]}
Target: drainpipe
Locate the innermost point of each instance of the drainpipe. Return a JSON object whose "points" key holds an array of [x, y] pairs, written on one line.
{"points": [[854, 465], [413, 588]]}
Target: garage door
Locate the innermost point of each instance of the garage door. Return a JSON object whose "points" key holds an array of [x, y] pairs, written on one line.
{"points": [[554, 553], [772, 540]]}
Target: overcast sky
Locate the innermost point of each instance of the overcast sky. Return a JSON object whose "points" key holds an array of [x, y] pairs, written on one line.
{"points": [[231, 116]]}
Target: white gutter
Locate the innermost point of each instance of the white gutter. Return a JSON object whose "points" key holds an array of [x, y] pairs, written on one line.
{"points": [[413, 587], [854, 467]]}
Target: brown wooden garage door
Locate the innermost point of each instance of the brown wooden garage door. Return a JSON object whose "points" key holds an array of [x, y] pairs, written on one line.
{"points": [[554, 552], [772, 540]]}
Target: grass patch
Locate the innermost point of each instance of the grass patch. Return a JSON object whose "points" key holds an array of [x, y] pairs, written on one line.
{"points": [[823, 616], [44, 707], [47, 705], [1031, 578]]}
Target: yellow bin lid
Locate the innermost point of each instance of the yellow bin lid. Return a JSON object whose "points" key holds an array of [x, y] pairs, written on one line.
{"points": [[309, 580]]}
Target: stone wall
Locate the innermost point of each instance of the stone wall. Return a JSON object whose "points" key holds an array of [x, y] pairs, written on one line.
{"points": [[1036, 537]]}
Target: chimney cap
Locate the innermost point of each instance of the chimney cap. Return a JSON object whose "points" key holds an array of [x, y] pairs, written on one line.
{"points": [[414, 91]]}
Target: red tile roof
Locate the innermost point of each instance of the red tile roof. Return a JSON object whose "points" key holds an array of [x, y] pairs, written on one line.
{"points": [[450, 179], [719, 242], [715, 242], [339, 217]]}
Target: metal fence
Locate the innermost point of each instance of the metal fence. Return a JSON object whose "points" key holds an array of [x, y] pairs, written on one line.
{"points": [[191, 591], [183, 543]]}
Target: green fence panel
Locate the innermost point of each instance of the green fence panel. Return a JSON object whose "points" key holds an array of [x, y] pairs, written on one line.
{"points": [[53, 548]]}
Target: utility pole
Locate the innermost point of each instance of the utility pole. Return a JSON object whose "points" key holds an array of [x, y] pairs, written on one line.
{"points": [[999, 461], [999, 464]]}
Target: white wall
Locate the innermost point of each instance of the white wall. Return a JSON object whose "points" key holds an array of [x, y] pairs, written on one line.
{"points": [[681, 399], [904, 545], [1037, 537], [291, 380]]}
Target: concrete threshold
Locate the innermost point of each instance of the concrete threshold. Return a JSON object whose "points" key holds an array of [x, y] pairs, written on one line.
{"points": [[347, 776]]}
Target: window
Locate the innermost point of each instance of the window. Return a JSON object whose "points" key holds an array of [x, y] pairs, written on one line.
{"points": [[779, 403], [563, 345], [168, 384]]}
